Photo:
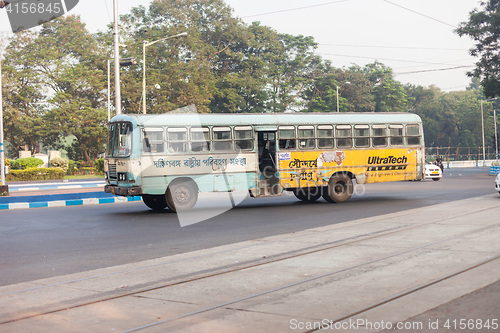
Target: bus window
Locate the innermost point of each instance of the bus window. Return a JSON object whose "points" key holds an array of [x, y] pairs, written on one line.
{"points": [[344, 136], [362, 136], [177, 139], [222, 139], [306, 137], [244, 138], [287, 137], [325, 136], [152, 140], [379, 135], [200, 139], [412, 135], [396, 135], [120, 140]]}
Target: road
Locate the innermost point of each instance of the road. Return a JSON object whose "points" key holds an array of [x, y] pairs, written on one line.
{"points": [[47, 242]]}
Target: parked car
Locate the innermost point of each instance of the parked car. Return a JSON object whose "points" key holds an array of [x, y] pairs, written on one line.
{"points": [[433, 172], [497, 183]]}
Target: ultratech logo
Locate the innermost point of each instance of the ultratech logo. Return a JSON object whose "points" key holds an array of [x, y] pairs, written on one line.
{"points": [[389, 163]]}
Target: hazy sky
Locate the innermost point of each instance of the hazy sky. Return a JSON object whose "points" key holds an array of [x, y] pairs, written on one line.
{"points": [[414, 38]]}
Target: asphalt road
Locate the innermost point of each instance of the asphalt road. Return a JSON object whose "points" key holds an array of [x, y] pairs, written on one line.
{"points": [[46, 242]]}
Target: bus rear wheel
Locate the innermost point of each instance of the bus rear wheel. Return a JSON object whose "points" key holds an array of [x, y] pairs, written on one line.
{"points": [[340, 188], [308, 193], [181, 196], [155, 202]]}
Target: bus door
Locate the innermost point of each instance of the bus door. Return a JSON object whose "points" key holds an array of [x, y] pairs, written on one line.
{"points": [[268, 183]]}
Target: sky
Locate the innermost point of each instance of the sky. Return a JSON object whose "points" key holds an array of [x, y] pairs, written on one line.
{"points": [[414, 38]]}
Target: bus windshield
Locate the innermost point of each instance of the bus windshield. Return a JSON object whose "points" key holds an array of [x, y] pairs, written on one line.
{"points": [[120, 140]]}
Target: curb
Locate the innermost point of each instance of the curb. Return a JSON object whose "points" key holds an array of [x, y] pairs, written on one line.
{"points": [[55, 186], [66, 203]]}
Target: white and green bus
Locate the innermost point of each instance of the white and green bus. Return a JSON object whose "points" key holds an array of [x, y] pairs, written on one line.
{"points": [[169, 158]]}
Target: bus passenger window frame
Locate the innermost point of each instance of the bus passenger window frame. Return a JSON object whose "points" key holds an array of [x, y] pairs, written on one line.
{"points": [[150, 144], [198, 145], [222, 144], [325, 140], [306, 137], [287, 142], [175, 145], [379, 139], [396, 135], [344, 139], [362, 136], [413, 139], [245, 142]]}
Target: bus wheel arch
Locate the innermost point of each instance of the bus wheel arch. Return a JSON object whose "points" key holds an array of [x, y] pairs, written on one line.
{"points": [[340, 187], [181, 194]]}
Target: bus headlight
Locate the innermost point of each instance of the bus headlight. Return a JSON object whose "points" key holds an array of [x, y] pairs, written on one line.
{"points": [[122, 176]]}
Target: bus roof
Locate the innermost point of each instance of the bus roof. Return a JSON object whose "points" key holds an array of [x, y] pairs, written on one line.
{"points": [[221, 119]]}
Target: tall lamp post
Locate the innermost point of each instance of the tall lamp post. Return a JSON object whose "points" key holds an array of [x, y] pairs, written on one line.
{"points": [[338, 110], [118, 95], [482, 127], [144, 45], [2, 153]]}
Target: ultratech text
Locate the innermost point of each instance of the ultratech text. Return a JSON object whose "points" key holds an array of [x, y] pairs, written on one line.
{"points": [[387, 160]]}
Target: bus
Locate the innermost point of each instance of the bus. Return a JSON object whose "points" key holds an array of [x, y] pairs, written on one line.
{"points": [[169, 159]]}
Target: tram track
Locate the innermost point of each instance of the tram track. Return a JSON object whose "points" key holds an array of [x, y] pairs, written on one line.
{"points": [[329, 274], [309, 250], [406, 293]]}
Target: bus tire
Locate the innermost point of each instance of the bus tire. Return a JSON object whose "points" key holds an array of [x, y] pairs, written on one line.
{"points": [[181, 195], [340, 188], [155, 202], [308, 193]]}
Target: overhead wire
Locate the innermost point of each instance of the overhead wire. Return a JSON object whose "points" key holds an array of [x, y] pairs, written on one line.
{"points": [[295, 9], [421, 14]]}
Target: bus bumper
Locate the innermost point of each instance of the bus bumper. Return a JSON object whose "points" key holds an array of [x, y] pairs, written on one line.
{"points": [[123, 191]]}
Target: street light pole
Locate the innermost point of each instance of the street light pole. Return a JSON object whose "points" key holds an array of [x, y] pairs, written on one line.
{"points": [[482, 128], [144, 45], [118, 97], [338, 110], [2, 153], [496, 133], [109, 90]]}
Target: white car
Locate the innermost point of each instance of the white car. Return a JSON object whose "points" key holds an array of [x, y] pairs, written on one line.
{"points": [[433, 172], [497, 183]]}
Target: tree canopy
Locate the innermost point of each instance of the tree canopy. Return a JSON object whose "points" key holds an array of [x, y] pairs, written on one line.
{"points": [[483, 28], [56, 77]]}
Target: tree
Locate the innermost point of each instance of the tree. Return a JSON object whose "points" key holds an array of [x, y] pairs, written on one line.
{"points": [[390, 96], [56, 89], [484, 28], [24, 97], [70, 68]]}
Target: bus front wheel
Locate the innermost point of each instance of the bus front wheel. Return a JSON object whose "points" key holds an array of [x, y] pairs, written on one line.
{"points": [[181, 196], [340, 188], [155, 202]]}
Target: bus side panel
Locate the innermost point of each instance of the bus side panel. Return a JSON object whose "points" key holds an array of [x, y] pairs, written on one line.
{"points": [[216, 173], [314, 168]]}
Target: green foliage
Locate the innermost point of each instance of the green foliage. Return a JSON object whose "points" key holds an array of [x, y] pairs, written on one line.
{"points": [[99, 165], [72, 167], [484, 29], [35, 174], [61, 163], [25, 163]]}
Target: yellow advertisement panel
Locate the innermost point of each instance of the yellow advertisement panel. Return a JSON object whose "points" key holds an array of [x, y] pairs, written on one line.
{"points": [[314, 168]]}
